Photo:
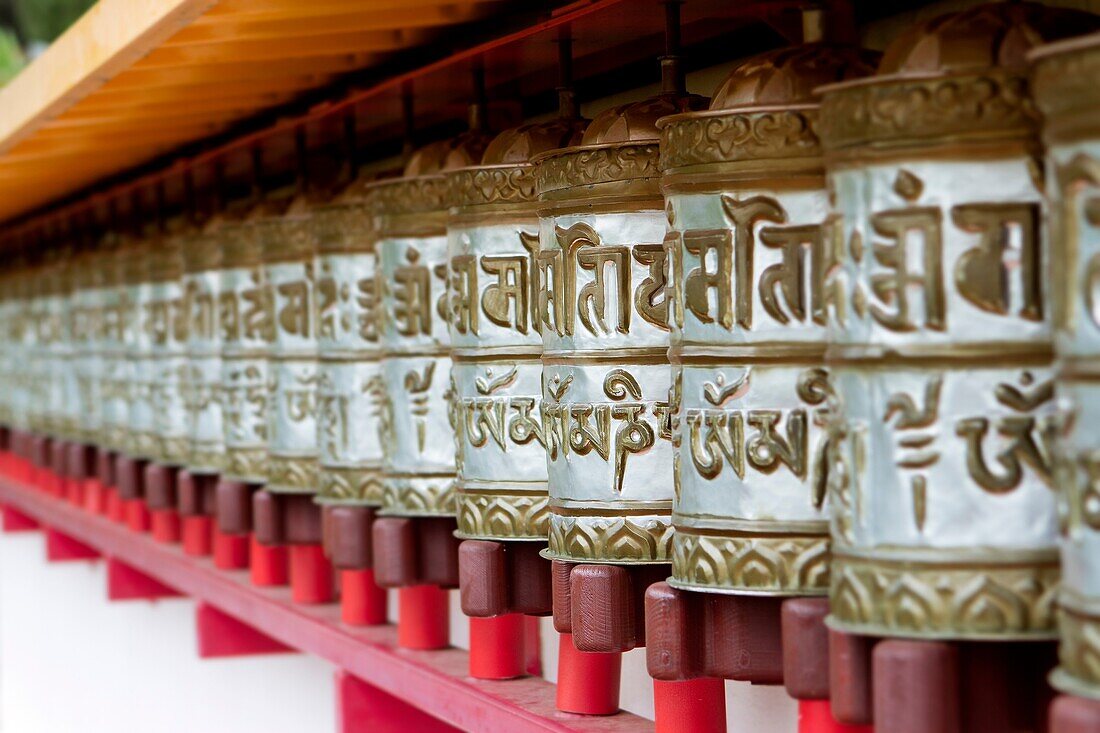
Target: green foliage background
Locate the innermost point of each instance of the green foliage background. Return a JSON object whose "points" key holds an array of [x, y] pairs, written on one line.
{"points": [[32, 22]]}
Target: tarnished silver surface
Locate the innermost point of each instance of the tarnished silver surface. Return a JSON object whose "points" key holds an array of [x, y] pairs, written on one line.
{"points": [[201, 284], [166, 318], [37, 350], [606, 383], [350, 395], [744, 185], [86, 329], [497, 374], [289, 247], [141, 436], [944, 514], [22, 343], [245, 323], [1065, 89], [750, 513], [116, 330], [419, 464]]}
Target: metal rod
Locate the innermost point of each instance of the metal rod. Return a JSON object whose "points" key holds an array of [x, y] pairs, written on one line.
{"points": [[567, 96], [257, 172], [672, 73]]}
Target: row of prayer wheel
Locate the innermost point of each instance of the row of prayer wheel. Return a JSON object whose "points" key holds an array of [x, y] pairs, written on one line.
{"points": [[832, 333]]}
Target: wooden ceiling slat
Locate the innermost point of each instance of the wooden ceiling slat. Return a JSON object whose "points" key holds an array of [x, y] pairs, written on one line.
{"points": [[229, 72], [341, 22], [240, 103], [185, 92], [275, 9], [291, 47]]}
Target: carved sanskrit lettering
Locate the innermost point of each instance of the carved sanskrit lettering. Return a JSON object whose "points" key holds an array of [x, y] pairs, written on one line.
{"points": [[1025, 440], [606, 302], [593, 296], [505, 300], [258, 320], [982, 274], [783, 286], [916, 450], [614, 431], [762, 440], [293, 316], [464, 291], [902, 230], [327, 298], [732, 252], [368, 301], [412, 295]]}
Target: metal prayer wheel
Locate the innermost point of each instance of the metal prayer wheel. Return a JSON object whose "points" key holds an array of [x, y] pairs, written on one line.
{"points": [[166, 320], [289, 246], [943, 510], [496, 338], [116, 323], [202, 260], [410, 217], [350, 395], [745, 196], [54, 332], [88, 276], [141, 436], [8, 316], [22, 334], [247, 331], [607, 402], [1064, 86], [68, 406], [37, 352]]}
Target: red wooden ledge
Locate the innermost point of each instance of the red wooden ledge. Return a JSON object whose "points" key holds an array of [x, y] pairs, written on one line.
{"points": [[432, 681]]}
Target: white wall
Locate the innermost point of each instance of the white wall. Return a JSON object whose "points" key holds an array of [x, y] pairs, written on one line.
{"points": [[70, 662]]}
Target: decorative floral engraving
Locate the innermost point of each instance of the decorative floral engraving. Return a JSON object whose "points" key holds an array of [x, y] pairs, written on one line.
{"points": [[589, 166], [743, 136], [946, 599], [904, 111], [611, 539], [795, 565]]}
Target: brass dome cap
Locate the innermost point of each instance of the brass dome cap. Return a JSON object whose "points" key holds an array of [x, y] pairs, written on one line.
{"points": [[994, 35], [460, 151], [636, 122], [789, 76], [519, 145]]}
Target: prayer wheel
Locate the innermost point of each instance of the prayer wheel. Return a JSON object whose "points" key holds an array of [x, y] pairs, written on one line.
{"points": [[1064, 85], [245, 320], [937, 291], [166, 321], [284, 511], [745, 197], [350, 396], [607, 404], [501, 491], [202, 258], [289, 245], [116, 323], [413, 542]]}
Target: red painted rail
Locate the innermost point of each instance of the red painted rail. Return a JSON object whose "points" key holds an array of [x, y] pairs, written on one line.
{"points": [[433, 681]]}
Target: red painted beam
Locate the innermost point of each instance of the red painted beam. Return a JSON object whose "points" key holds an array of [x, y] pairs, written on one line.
{"points": [[221, 635], [63, 548], [435, 681], [125, 583]]}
